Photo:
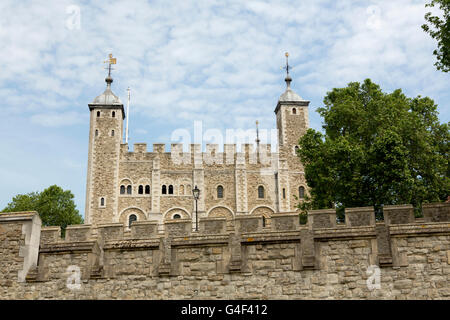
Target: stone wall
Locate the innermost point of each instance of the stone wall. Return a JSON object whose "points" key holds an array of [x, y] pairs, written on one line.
{"points": [[244, 260]]}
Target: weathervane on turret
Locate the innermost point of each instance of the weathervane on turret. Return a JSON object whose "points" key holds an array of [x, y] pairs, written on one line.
{"points": [[110, 62], [288, 78]]}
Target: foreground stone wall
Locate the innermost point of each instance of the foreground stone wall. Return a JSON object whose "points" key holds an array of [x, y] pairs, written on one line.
{"points": [[245, 260]]}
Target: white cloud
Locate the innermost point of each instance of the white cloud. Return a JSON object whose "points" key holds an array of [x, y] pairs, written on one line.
{"points": [[59, 119]]}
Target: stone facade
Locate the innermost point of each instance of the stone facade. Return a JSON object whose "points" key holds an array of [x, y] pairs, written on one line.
{"points": [[123, 184], [245, 260]]}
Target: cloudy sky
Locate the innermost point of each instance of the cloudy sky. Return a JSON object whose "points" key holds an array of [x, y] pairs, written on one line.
{"points": [[215, 61]]}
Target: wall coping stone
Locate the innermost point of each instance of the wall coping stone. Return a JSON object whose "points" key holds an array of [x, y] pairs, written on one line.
{"points": [[6, 217], [322, 211]]}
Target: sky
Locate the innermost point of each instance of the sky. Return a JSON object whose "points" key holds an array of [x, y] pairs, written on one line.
{"points": [[217, 62]]}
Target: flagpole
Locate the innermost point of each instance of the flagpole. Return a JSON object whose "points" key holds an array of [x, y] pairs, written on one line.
{"points": [[128, 115]]}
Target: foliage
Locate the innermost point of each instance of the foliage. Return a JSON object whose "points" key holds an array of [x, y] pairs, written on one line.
{"points": [[54, 205], [439, 29], [378, 149]]}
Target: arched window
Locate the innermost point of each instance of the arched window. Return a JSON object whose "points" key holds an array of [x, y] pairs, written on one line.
{"points": [[113, 114], [176, 216], [261, 192], [132, 218], [122, 189], [147, 189], [112, 133], [284, 193], [128, 189], [219, 192], [181, 190], [301, 192], [102, 202], [264, 221], [141, 189], [98, 114], [296, 148], [96, 133], [294, 111], [164, 189], [170, 189]]}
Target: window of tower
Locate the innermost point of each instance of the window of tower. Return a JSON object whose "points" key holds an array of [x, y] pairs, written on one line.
{"points": [[261, 192], [170, 189], [284, 193], [98, 114], [219, 192], [128, 189], [102, 202], [96, 133], [164, 189], [263, 221], [113, 114], [141, 189], [147, 189], [301, 192], [176, 216], [112, 133], [132, 218], [122, 189], [294, 111]]}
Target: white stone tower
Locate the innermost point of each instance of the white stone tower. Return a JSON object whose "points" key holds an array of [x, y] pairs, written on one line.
{"points": [[292, 122], [105, 137]]}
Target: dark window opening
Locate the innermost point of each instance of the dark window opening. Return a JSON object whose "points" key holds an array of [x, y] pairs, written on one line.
{"points": [[294, 111], [284, 193], [141, 190], [164, 189], [98, 114], [129, 190], [131, 219], [301, 192], [264, 221], [113, 114], [219, 192], [176, 216], [96, 133], [147, 189], [171, 189], [122, 189], [261, 192], [112, 133], [102, 202]]}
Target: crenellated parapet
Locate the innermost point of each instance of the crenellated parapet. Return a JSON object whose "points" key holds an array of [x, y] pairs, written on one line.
{"points": [[319, 221], [175, 248], [229, 154]]}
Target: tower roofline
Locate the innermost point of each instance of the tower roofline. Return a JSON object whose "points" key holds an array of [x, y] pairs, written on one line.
{"points": [[93, 106], [302, 103]]}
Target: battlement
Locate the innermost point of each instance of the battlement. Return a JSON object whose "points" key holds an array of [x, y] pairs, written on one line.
{"points": [[241, 224], [248, 248], [213, 154]]}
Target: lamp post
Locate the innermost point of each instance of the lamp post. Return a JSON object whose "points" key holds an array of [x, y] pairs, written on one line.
{"points": [[196, 193]]}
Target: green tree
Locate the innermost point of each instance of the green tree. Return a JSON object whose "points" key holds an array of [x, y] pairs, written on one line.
{"points": [[378, 149], [439, 29], [54, 205]]}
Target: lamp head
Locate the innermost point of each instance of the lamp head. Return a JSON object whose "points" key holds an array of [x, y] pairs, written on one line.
{"points": [[196, 193]]}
